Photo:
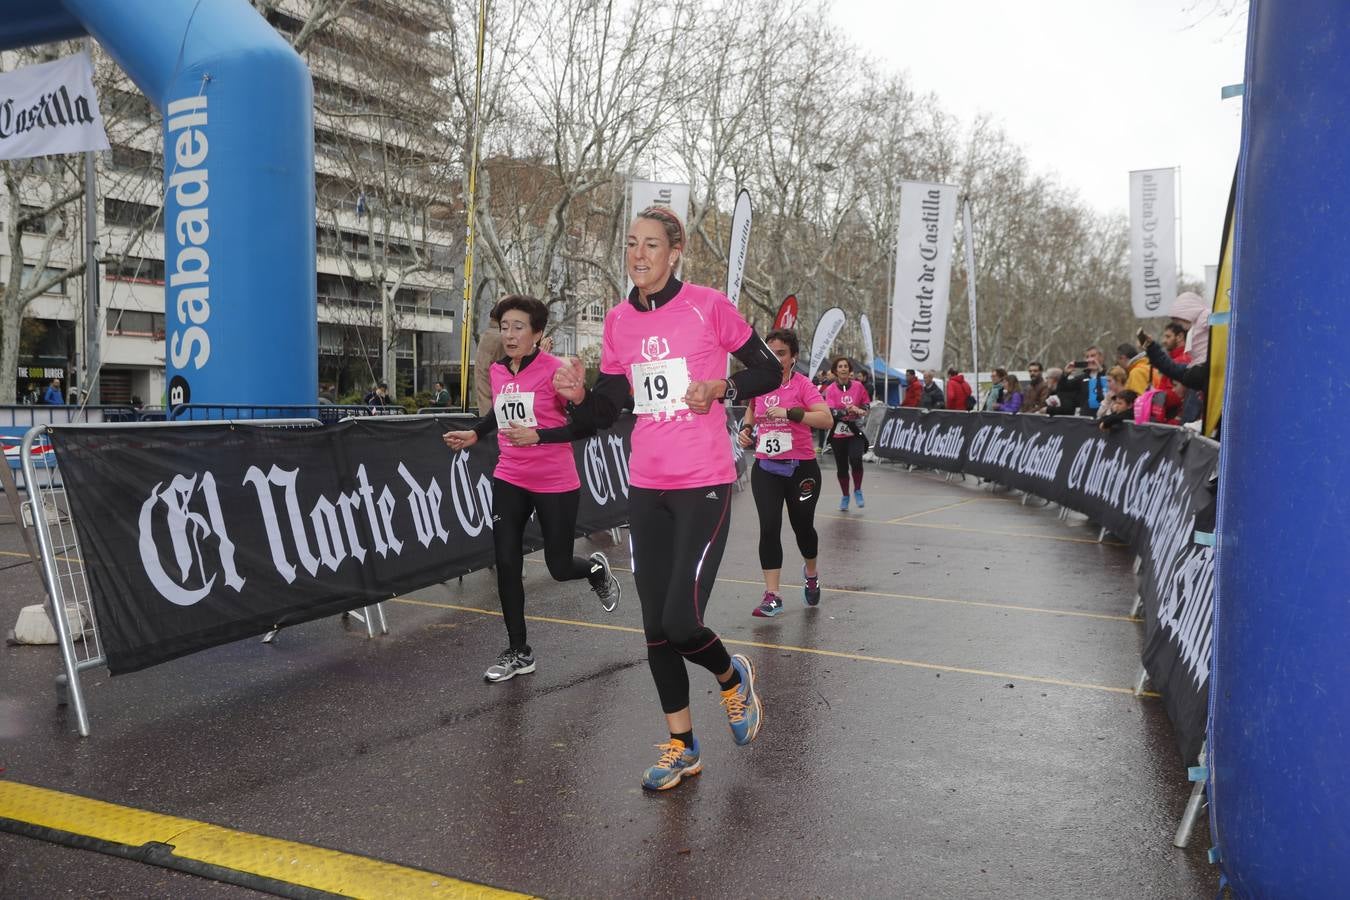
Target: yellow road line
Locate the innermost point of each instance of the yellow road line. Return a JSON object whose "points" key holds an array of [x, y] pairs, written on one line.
{"points": [[1005, 676], [304, 865], [898, 519], [923, 599], [1017, 534]]}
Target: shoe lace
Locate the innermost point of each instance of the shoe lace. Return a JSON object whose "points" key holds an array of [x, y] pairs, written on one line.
{"points": [[671, 751], [735, 706], [507, 657], [770, 599]]}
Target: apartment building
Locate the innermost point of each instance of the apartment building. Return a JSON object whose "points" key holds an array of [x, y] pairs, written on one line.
{"points": [[389, 224]]}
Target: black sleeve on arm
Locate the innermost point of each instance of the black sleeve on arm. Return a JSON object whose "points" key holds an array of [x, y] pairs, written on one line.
{"points": [[602, 403], [1164, 363], [1196, 377], [566, 434], [763, 372], [485, 426]]}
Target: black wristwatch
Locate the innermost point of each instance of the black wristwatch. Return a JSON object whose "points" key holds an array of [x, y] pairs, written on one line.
{"points": [[730, 395]]}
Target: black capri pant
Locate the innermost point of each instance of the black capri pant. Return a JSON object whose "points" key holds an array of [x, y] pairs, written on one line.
{"points": [[799, 493]]}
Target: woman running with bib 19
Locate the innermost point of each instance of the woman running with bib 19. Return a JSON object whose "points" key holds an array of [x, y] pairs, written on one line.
{"points": [[667, 346], [536, 473], [778, 425], [847, 399]]}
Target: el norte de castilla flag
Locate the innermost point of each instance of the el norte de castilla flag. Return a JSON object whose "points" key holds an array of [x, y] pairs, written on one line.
{"points": [[50, 108]]}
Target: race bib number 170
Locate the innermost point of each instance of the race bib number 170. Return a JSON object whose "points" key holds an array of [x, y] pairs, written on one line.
{"points": [[515, 408], [659, 386]]}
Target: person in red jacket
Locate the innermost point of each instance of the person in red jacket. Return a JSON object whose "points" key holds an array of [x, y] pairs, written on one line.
{"points": [[958, 391], [913, 389], [1174, 342]]}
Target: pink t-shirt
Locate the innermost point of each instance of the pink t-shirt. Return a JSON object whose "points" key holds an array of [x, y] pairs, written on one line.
{"points": [[799, 391], [660, 352], [856, 395], [542, 468]]}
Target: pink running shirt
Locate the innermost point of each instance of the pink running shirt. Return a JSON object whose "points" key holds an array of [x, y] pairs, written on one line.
{"points": [[541, 468], [856, 395], [799, 391], [660, 351]]}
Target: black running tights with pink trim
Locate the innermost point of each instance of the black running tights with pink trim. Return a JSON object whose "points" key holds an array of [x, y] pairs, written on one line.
{"points": [[678, 538]]}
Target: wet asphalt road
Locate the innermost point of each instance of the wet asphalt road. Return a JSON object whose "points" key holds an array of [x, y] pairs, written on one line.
{"points": [[953, 721]]}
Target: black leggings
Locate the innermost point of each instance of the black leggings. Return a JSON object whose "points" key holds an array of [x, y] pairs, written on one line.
{"points": [[848, 452], [557, 514], [799, 491], [678, 539]]}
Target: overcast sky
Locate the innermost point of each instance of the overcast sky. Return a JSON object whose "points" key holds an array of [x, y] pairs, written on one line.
{"points": [[1090, 88]]}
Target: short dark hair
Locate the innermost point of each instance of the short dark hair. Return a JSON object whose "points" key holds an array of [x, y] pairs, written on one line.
{"points": [[438, 384], [1036, 364], [530, 306], [1000, 372], [784, 336], [951, 370], [834, 363], [1175, 328], [1128, 396], [1129, 351]]}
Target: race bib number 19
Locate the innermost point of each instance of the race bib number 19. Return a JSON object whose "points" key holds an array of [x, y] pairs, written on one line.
{"points": [[515, 408], [659, 386], [774, 443]]}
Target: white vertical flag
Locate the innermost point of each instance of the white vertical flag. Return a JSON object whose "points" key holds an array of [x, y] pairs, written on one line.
{"points": [[867, 341], [740, 245], [970, 293], [1153, 241], [827, 329], [923, 270], [50, 108]]}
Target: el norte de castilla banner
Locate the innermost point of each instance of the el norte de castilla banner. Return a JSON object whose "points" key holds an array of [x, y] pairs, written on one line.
{"points": [[197, 535], [923, 264], [1150, 485]]}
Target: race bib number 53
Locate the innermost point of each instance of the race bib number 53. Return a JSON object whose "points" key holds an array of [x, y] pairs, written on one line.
{"points": [[659, 386], [774, 443]]}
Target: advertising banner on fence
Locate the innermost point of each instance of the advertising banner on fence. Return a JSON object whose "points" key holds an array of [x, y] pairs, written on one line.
{"points": [[1153, 241], [827, 329], [923, 274], [198, 535], [1150, 485], [50, 108]]}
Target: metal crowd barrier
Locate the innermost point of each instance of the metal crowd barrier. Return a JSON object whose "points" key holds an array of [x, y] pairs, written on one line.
{"points": [[325, 413], [69, 604]]}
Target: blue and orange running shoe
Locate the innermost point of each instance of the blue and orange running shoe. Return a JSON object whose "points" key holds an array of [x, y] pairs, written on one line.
{"points": [[744, 711], [811, 591], [675, 763]]}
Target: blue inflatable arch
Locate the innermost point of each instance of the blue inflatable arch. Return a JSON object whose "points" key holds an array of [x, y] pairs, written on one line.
{"points": [[237, 103]]}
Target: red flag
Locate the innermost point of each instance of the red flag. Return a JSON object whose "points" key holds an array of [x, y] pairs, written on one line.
{"points": [[787, 314]]}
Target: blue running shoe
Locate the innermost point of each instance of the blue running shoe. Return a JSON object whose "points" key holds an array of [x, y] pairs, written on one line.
{"points": [[770, 606], [858, 498], [843, 503], [675, 763], [811, 591], [744, 712]]}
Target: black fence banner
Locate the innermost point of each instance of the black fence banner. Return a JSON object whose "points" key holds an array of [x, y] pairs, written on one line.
{"points": [[1151, 485], [197, 535]]}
